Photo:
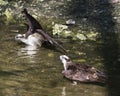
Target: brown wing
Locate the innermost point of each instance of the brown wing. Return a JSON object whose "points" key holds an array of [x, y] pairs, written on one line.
{"points": [[85, 73], [50, 39], [33, 24]]}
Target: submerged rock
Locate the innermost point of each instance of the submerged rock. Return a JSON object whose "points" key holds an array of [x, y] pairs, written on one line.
{"points": [[81, 36], [92, 35], [61, 30]]}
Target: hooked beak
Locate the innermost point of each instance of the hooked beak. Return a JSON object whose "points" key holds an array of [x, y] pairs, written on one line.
{"points": [[18, 36]]}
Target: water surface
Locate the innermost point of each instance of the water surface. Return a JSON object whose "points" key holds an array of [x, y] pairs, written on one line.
{"points": [[27, 72]]}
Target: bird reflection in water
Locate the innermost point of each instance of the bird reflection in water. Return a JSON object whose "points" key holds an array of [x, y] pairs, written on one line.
{"points": [[63, 93], [28, 52]]}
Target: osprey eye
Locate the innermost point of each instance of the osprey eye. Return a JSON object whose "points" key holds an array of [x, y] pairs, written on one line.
{"points": [[67, 59]]}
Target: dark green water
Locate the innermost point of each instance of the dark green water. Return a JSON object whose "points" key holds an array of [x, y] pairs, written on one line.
{"points": [[24, 72]]}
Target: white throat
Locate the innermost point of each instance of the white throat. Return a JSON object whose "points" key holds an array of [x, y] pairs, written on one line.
{"points": [[65, 60], [64, 64]]}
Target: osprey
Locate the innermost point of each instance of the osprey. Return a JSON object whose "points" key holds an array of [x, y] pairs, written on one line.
{"points": [[81, 72], [35, 35]]}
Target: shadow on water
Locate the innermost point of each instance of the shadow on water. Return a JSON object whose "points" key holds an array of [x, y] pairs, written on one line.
{"points": [[99, 14], [5, 73]]}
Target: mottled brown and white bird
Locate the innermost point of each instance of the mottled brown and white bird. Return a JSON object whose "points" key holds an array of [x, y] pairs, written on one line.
{"points": [[81, 72], [35, 34], [31, 37]]}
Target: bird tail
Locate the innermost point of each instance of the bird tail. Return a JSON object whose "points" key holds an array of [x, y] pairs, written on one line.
{"points": [[101, 77]]}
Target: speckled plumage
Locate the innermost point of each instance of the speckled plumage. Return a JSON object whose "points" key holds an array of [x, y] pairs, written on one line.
{"points": [[81, 72]]}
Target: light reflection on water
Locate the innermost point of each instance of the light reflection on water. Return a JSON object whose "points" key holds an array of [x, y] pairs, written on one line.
{"points": [[28, 52], [63, 93]]}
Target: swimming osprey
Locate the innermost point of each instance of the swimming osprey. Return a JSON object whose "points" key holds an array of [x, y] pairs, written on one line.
{"points": [[35, 35], [81, 72]]}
